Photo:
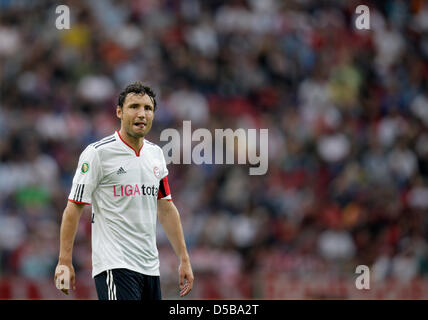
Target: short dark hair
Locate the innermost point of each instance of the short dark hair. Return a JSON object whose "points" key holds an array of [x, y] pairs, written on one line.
{"points": [[137, 88]]}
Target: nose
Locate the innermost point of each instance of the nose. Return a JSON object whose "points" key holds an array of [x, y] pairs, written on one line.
{"points": [[141, 113]]}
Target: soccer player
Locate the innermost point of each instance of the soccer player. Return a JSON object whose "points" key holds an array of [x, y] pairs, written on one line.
{"points": [[125, 179]]}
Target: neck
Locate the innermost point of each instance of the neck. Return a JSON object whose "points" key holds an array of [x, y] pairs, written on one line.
{"points": [[135, 143]]}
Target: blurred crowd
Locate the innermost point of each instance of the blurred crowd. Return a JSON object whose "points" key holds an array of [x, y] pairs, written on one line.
{"points": [[346, 109]]}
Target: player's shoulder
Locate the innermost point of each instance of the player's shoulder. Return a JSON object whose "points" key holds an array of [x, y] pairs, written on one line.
{"points": [[152, 146], [95, 147], [103, 143]]}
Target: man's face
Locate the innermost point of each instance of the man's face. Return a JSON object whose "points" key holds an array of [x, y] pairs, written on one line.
{"points": [[136, 114]]}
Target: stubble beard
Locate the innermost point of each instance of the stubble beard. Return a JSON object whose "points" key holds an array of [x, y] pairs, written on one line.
{"points": [[134, 134]]}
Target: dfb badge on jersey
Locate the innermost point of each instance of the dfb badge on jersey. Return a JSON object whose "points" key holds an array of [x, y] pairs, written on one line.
{"points": [[85, 167]]}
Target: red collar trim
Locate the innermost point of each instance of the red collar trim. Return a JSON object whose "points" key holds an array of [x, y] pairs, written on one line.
{"points": [[137, 153]]}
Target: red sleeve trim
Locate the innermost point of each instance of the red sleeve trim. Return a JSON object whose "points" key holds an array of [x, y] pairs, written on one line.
{"points": [[78, 202], [164, 188]]}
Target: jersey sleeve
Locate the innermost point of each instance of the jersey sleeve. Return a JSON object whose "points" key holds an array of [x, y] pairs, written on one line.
{"points": [[164, 169], [86, 178], [164, 190]]}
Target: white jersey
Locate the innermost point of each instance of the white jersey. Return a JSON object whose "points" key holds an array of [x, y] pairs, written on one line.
{"points": [[123, 186]]}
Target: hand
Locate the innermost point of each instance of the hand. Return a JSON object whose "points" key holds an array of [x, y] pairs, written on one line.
{"points": [[65, 277], [186, 278]]}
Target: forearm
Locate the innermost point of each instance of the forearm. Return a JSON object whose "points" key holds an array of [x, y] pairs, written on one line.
{"points": [[170, 220], [69, 224]]}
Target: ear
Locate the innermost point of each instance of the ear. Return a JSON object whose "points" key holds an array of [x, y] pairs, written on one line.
{"points": [[119, 112]]}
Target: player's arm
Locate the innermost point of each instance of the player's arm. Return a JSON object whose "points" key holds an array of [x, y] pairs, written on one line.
{"points": [[86, 178], [169, 218], [69, 224]]}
